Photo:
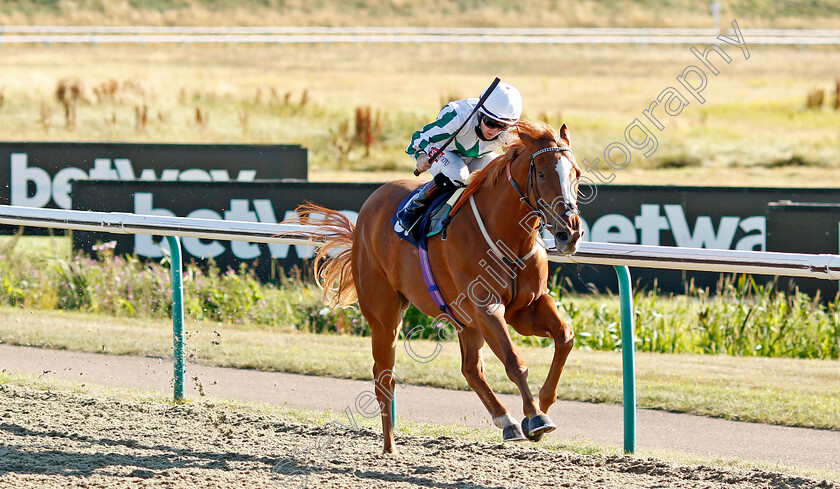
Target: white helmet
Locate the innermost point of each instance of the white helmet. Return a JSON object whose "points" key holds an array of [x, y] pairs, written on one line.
{"points": [[504, 104]]}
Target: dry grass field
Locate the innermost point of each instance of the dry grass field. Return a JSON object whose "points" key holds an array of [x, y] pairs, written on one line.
{"points": [[753, 128]]}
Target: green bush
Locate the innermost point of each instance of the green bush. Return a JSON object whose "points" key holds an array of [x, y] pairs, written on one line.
{"points": [[742, 318]]}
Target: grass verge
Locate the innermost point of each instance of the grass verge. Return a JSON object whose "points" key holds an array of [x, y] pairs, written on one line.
{"points": [[767, 390]]}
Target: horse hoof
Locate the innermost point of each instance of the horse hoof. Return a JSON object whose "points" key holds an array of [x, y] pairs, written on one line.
{"points": [[538, 426], [513, 433], [526, 429]]}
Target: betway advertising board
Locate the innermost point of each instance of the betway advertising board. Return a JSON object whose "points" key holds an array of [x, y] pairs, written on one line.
{"points": [[40, 174], [261, 201], [817, 228], [723, 218], [698, 217]]}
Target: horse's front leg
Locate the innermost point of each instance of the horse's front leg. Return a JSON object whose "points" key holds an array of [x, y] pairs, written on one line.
{"points": [[494, 330], [472, 366], [541, 318]]}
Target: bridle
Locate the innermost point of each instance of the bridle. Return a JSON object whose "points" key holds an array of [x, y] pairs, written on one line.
{"points": [[569, 208]]}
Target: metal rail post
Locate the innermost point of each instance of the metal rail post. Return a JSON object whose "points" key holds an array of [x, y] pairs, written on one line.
{"points": [[394, 410], [177, 314], [628, 347]]}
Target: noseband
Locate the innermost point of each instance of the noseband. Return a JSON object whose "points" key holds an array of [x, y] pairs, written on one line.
{"points": [[570, 209]]}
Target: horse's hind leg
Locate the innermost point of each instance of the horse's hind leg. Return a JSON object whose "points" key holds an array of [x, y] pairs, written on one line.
{"points": [[383, 310], [472, 366]]}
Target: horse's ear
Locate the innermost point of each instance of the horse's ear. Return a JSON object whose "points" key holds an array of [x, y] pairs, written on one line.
{"points": [[565, 134]]}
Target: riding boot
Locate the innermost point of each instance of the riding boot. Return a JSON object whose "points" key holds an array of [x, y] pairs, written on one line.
{"points": [[411, 213]]}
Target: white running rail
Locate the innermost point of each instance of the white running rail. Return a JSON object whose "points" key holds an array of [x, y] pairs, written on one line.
{"points": [[665, 257], [464, 35]]}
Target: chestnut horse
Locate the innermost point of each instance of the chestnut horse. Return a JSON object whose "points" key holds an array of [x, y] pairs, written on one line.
{"points": [[493, 253]]}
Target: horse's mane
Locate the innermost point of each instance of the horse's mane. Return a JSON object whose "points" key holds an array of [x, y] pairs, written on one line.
{"points": [[496, 169]]}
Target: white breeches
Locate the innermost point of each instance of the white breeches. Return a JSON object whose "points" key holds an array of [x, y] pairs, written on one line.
{"points": [[456, 168]]}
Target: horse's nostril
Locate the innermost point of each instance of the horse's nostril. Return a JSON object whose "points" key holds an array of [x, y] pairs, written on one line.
{"points": [[563, 236]]}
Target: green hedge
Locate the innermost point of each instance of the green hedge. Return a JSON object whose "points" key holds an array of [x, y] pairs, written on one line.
{"points": [[741, 318]]}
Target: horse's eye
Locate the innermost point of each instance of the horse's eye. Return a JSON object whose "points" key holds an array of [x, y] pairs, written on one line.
{"points": [[540, 174]]}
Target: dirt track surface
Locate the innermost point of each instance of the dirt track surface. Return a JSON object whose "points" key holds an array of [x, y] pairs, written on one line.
{"points": [[59, 439], [673, 432]]}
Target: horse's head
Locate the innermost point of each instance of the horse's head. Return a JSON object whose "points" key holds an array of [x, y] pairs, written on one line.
{"points": [[549, 189]]}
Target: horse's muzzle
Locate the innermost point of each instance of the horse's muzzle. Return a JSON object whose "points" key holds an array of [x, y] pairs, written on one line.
{"points": [[566, 241]]}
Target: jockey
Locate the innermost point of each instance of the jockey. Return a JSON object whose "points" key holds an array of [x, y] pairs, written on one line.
{"points": [[472, 149]]}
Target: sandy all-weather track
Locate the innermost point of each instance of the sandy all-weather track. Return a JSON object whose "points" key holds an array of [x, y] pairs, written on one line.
{"points": [[62, 439]]}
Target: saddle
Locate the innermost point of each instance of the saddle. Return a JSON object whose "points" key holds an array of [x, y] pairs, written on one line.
{"points": [[434, 220]]}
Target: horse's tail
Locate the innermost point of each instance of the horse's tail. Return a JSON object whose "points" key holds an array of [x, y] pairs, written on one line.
{"points": [[332, 262]]}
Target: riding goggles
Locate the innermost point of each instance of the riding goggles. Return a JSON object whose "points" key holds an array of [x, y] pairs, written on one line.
{"points": [[494, 124]]}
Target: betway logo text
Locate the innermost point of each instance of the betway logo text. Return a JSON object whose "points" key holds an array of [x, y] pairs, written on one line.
{"points": [[646, 229], [57, 188], [256, 210]]}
